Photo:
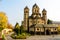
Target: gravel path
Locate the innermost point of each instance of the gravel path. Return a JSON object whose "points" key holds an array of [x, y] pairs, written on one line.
{"points": [[39, 37]]}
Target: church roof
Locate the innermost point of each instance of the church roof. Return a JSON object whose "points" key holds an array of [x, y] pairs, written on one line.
{"points": [[39, 25], [44, 10], [26, 7], [35, 5], [43, 25], [50, 25], [36, 25]]}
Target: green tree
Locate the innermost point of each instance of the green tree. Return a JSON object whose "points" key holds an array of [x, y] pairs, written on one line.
{"points": [[17, 29], [1, 27], [21, 29], [49, 21]]}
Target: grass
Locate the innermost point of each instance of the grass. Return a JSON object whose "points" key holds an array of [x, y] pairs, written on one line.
{"points": [[20, 36]]}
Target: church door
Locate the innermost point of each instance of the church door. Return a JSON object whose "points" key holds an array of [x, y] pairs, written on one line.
{"points": [[47, 32]]}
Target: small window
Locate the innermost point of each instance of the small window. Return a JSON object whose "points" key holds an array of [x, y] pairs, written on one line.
{"points": [[37, 28], [26, 11], [44, 13], [55, 28]]}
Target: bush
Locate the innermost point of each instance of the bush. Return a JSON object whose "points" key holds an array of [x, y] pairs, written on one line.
{"points": [[13, 36], [1, 28], [28, 34], [3, 37], [21, 36], [17, 37]]}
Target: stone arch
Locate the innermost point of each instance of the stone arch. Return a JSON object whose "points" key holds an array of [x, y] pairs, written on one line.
{"points": [[47, 32]]}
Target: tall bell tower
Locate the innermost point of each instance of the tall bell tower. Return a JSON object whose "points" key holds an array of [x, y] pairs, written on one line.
{"points": [[26, 15], [44, 15]]}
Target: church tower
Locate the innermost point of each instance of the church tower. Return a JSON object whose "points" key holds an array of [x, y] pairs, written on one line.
{"points": [[26, 15], [35, 10], [44, 15]]}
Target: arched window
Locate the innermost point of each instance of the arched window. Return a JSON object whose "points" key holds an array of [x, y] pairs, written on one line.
{"points": [[55, 28]]}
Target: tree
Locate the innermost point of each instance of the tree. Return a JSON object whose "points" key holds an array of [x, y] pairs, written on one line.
{"points": [[3, 20], [49, 21], [10, 26], [59, 28], [1, 27], [21, 29], [17, 29]]}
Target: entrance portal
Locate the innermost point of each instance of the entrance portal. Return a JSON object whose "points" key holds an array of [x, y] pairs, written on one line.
{"points": [[47, 32]]}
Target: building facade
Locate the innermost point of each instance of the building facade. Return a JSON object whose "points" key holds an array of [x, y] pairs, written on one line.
{"points": [[36, 17], [37, 21]]}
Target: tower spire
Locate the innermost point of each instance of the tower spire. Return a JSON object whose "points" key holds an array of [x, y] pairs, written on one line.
{"points": [[26, 7]]}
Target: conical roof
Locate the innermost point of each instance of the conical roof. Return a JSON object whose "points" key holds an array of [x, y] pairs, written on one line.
{"points": [[35, 5], [26, 7], [44, 10]]}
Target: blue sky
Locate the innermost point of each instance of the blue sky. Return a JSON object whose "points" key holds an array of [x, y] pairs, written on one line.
{"points": [[14, 9]]}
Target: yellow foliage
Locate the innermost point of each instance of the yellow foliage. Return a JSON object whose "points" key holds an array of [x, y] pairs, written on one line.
{"points": [[59, 28], [3, 19], [10, 26]]}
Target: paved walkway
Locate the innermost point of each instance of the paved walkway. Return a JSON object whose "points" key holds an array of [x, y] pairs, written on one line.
{"points": [[39, 37]]}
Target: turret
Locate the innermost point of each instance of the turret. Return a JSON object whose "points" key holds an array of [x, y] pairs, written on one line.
{"points": [[44, 15], [35, 11], [26, 15], [35, 8]]}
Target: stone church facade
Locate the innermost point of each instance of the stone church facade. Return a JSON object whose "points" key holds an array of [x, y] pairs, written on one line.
{"points": [[37, 22]]}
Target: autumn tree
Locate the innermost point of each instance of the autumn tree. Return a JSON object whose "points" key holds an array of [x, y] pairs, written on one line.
{"points": [[10, 26], [3, 20], [59, 29]]}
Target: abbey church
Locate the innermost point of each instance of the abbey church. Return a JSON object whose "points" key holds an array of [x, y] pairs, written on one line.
{"points": [[37, 22]]}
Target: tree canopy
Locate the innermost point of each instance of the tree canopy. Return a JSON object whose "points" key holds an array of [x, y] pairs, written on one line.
{"points": [[17, 29], [49, 21], [3, 20]]}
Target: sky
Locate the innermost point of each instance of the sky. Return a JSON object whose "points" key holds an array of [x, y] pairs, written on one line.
{"points": [[14, 9]]}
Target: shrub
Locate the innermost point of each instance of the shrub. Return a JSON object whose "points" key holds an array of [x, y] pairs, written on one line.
{"points": [[13, 36], [28, 34], [17, 37], [3, 37], [21, 36]]}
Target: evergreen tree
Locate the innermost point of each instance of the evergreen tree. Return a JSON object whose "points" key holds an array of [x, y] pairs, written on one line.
{"points": [[49, 21], [21, 29], [17, 29]]}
